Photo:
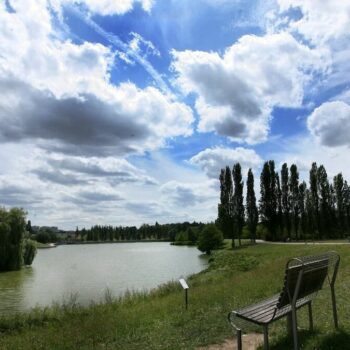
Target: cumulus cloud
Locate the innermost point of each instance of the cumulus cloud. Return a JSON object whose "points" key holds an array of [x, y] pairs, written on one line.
{"points": [[321, 20], [237, 91], [211, 160], [136, 121], [330, 123]]}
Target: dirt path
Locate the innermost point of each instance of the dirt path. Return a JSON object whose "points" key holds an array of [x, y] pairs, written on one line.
{"points": [[250, 342]]}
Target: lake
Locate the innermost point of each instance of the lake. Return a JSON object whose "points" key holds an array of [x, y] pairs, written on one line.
{"points": [[87, 271]]}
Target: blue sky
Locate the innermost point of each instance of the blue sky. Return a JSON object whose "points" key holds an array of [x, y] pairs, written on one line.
{"points": [[123, 112]]}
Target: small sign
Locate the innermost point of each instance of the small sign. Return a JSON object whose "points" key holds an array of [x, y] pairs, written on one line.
{"points": [[183, 283]]}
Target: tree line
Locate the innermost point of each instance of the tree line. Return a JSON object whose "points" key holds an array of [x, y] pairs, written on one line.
{"points": [[166, 232], [288, 207]]}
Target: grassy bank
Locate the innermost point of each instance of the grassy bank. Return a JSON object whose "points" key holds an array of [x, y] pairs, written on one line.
{"points": [[158, 320]]}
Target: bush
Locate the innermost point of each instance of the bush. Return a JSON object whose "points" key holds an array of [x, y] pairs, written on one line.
{"points": [[29, 252], [210, 238]]}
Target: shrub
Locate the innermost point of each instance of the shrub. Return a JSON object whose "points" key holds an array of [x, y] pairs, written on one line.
{"points": [[210, 238]]}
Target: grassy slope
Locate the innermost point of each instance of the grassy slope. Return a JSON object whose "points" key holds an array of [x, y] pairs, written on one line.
{"points": [[159, 321]]}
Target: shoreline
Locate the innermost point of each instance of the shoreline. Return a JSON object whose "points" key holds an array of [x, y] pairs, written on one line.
{"points": [[111, 242]]}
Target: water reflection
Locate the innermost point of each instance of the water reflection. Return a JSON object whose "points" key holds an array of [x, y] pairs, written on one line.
{"points": [[13, 286]]}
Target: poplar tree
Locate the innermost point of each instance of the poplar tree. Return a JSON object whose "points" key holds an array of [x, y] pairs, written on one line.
{"points": [[285, 198], [347, 206], [251, 208], [325, 201], [310, 222], [314, 199], [338, 184], [302, 204], [294, 197], [225, 206], [268, 201], [279, 205], [237, 200]]}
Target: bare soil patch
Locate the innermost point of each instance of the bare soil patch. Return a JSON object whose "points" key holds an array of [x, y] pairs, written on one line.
{"points": [[250, 342]]}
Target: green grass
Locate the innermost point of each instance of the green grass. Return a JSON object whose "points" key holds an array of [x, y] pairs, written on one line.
{"points": [[158, 320], [41, 245]]}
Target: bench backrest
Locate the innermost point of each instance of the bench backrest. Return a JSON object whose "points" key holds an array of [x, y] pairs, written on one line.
{"points": [[311, 276]]}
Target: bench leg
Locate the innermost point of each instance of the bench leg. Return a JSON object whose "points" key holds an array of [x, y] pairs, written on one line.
{"points": [[239, 339], [295, 329], [311, 322], [266, 338], [289, 324], [334, 305]]}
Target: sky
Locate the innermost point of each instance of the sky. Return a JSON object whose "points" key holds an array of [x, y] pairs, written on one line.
{"points": [[123, 112]]}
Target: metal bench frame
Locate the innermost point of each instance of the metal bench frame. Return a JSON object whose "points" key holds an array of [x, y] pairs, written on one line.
{"points": [[304, 277]]}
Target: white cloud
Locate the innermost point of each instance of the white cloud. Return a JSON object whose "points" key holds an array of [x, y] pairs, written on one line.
{"points": [[139, 44], [321, 20], [211, 160], [106, 7], [51, 88], [330, 123], [324, 24], [116, 171], [237, 91]]}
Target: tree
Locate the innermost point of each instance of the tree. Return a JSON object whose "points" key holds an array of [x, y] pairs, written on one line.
{"points": [[225, 220], [29, 252], [338, 184], [314, 199], [285, 198], [251, 208], [325, 202], [302, 203], [191, 234], [4, 240], [279, 205], [237, 201], [309, 213], [210, 238], [268, 202], [12, 228], [294, 197], [29, 227], [347, 205]]}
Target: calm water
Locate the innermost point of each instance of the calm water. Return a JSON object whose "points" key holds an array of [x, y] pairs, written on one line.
{"points": [[89, 270]]}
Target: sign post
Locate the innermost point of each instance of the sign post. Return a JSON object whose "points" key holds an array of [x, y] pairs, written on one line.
{"points": [[185, 287]]}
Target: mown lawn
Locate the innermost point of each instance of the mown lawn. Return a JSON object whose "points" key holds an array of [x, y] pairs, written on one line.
{"points": [[159, 320]]}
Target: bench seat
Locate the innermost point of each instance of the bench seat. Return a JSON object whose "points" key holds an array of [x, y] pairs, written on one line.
{"points": [[266, 311]]}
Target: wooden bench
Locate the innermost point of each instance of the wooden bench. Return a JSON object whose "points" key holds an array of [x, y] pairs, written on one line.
{"points": [[304, 277]]}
